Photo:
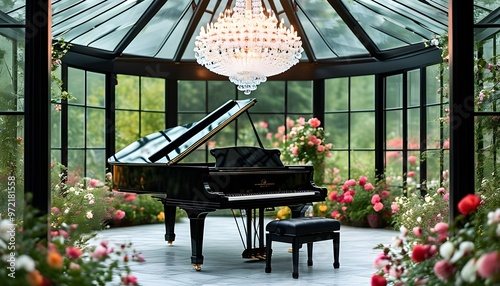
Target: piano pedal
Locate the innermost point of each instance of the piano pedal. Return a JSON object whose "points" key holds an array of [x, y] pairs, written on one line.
{"points": [[197, 267]]}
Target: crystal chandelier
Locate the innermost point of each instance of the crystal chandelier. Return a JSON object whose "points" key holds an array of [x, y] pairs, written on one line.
{"points": [[247, 46]]}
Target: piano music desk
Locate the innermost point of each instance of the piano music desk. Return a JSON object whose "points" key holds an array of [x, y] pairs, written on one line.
{"points": [[302, 230]]}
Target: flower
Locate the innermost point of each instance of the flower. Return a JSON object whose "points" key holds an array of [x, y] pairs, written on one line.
{"points": [[353, 200], [119, 214], [305, 143], [469, 204], [468, 248]]}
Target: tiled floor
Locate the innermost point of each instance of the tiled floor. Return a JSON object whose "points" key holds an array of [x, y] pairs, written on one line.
{"points": [[223, 265]]}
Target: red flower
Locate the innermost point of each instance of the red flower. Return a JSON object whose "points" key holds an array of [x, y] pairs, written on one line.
{"points": [[468, 204], [422, 252], [73, 252], [378, 280]]}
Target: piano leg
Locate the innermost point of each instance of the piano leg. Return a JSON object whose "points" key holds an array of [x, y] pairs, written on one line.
{"points": [[197, 225], [170, 212]]}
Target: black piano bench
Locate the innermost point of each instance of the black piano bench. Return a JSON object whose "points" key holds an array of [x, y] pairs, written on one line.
{"points": [[302, 230]]}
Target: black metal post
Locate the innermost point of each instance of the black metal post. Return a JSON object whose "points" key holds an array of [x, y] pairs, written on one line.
{"points": [[37, 104], [461, 57]]}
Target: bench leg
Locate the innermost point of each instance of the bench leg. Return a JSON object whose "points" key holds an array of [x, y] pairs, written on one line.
{"points": [[309, 254], [295, 258], [268, 253], [336, 249]]}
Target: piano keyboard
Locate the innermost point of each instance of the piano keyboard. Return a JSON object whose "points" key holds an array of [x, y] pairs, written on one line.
{"points": [[270, 196]]}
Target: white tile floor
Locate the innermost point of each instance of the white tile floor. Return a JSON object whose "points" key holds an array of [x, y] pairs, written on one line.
{"points": [[223, 265]]}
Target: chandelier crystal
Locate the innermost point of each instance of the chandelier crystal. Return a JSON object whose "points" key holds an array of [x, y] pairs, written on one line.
{"points": [[247, 46]]}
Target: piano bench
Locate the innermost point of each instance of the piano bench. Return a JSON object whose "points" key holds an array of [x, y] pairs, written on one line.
{"points": [[302, 230]]}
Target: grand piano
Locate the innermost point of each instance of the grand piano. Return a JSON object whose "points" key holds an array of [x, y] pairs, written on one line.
{"points": [[247, 178]]}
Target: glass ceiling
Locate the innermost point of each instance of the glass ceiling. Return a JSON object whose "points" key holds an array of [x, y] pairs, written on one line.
{"points": [[331, 30]]}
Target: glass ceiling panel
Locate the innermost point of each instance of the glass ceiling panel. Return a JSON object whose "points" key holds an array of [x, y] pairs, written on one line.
{"points": [[392, 24], [153, 36], [483, 8], [106, 28], [15, 10], [327, 33]]}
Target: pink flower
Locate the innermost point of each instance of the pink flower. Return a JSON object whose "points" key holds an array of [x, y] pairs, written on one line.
{"points": [[384, 194], [375, 199], [129, 280], [446, 197], [368, 187], [444, 270], [335, 214], [119, 214], [294, 150], [263, 124], [347, 198], [488, 264], [281, 129], [100, 251], [412, 159], [362, 180], [332, 196], [350, 183], [378, 206], [314, 122], [395, 208], [417, 231], [441, 191], [74, 266], [381, 261], [73, 252], [411, 174], [57, 107], [94, 182], [301, 121], [321, 148]]}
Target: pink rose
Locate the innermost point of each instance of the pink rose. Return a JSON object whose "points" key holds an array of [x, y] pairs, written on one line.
{"points": [[362, 180], [301, 121], [412, 159], [375, 199], [488, 264], [417, 231], [314, 122], [395, 208], [321, 148], [119, 214], [73, 252], [368, 187], [378, 206], [444, 270], [129, 280]]}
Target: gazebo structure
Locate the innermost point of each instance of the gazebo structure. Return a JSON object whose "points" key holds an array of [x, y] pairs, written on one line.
{"points": [[353, 50]]}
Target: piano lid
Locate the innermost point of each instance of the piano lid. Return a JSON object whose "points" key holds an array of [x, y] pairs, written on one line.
{"points": [[172, 145]]}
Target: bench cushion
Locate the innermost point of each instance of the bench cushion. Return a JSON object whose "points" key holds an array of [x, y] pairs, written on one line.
{"points": [[303, 226]]}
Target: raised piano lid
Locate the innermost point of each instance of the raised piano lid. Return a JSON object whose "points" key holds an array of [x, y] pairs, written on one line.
{"points": [[172, 145]]}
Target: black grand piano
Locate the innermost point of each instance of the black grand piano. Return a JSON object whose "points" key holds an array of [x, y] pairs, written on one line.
{"points": [[247, 178]]}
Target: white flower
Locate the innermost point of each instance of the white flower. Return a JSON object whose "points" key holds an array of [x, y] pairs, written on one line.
{"points": [[446, 250], [2, 245], [72, 189], [89, 215], [25, 262], [494, 217], [498, 230], [5, 226], [468, 272], [419, 219]]}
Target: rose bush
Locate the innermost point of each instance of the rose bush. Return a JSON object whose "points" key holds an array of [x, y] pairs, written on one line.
{"points": [[465, 253]]}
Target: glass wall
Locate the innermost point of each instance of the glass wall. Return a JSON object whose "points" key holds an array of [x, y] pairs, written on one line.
{"points": [[11, 115]]}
